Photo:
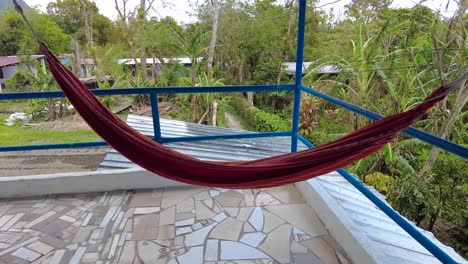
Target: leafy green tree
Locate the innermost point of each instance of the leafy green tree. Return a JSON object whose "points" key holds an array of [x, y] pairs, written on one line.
{"points": [[16, 38], [72, 16]]}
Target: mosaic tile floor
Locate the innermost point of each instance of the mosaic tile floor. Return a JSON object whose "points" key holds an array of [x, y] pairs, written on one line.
{"points": [[174, 225]]}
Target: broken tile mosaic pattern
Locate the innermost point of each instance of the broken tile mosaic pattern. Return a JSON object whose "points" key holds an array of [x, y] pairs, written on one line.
{"points": [[172, 225]]}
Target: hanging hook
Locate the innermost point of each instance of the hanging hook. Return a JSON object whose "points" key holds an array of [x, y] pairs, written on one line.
{"points": [[19, 9]]}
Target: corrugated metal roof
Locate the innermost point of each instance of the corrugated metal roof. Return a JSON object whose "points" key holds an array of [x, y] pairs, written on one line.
{"points": [[8, 60], [220, 150], [388, 238], [181, 60], [290, 68]]}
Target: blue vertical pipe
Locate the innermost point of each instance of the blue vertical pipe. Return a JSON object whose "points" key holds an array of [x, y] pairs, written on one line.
{"points": [[394, 215], [299, 62], [155, 114]]}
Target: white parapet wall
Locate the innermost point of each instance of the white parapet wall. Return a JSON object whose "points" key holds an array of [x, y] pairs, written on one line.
{"points": [[78, 182]]}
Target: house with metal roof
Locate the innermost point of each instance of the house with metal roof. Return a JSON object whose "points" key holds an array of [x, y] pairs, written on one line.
{"points": [[290, 69], [9, 65]]}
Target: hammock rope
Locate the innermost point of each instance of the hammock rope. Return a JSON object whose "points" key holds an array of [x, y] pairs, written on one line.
{"points": [[262, 173]]}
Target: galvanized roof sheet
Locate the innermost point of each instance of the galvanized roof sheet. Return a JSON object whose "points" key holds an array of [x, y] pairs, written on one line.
{"points": [[387, 237], [218, 150]]}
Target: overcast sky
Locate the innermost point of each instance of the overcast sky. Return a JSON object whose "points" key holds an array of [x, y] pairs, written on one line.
{"points": [[182, 11]]}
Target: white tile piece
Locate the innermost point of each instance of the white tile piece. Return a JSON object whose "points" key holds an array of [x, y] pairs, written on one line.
{"points": [[231, 250], [115, 241], [86, 221], [183, 230], [77, 256], [122, 239], [146, 210], [4, 245], [256, 219], [72, 247], [197, 226], [253, 239], [40, 219], [15, 247], [94, 236], [193, 256], [219, 217], [186, 222], [57, 257], [67, 218], [40, 247], [211, 252], [4, 219], [12, 221], [110, 213], [214, 193], [90, 257], [26, 254], [172, 261], [198, 237], [118, 220], [300, 235]]}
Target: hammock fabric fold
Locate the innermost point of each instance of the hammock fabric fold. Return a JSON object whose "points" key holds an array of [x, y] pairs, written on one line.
{"points": [[262, 173]]}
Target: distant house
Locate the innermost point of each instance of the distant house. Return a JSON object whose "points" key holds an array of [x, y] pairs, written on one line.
{"points": [[9, 65], [290, 68], [185, 61], [87, 66]]}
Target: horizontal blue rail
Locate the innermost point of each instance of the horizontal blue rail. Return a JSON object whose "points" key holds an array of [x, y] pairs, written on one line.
{"points": [[164, 140], [54, 146], [155, 90], [226, 136], [390, 212], [419, 134]]}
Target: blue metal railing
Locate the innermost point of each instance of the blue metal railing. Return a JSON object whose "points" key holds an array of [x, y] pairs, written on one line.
{"points": [[416, 133], [297, 88], [153, 92]]}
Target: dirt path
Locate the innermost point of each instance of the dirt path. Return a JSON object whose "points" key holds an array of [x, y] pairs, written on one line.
{"points": [[22, 163], [231, 121]]}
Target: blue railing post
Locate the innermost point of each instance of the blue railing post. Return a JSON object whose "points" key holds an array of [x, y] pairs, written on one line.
{"points": [[155, 114], [298, 83]]}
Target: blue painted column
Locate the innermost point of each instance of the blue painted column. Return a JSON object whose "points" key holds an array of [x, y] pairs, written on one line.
{"points": [[155, 114], [299, 62]]}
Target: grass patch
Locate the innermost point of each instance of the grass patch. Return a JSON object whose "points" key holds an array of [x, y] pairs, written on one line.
{"points": [[14, 104], [17, 135]]}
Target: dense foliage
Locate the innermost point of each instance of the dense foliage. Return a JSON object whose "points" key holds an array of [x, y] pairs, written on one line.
{"points": [[389, 60]]}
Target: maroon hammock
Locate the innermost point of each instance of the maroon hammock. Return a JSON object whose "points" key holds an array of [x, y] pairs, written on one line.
{"points": [[262, 173]]}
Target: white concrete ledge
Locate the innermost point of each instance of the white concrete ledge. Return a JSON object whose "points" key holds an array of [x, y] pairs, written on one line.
{"points": [[78, 182], [357, 245]]}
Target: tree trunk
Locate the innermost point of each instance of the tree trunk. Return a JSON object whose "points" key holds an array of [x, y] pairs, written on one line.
{"points": [[141, 20], [462, 98], [77, 57], [284, 53], [203, 116], [193, 102], [215, 113], [155, 72], [194, 72], [214, 33]]}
